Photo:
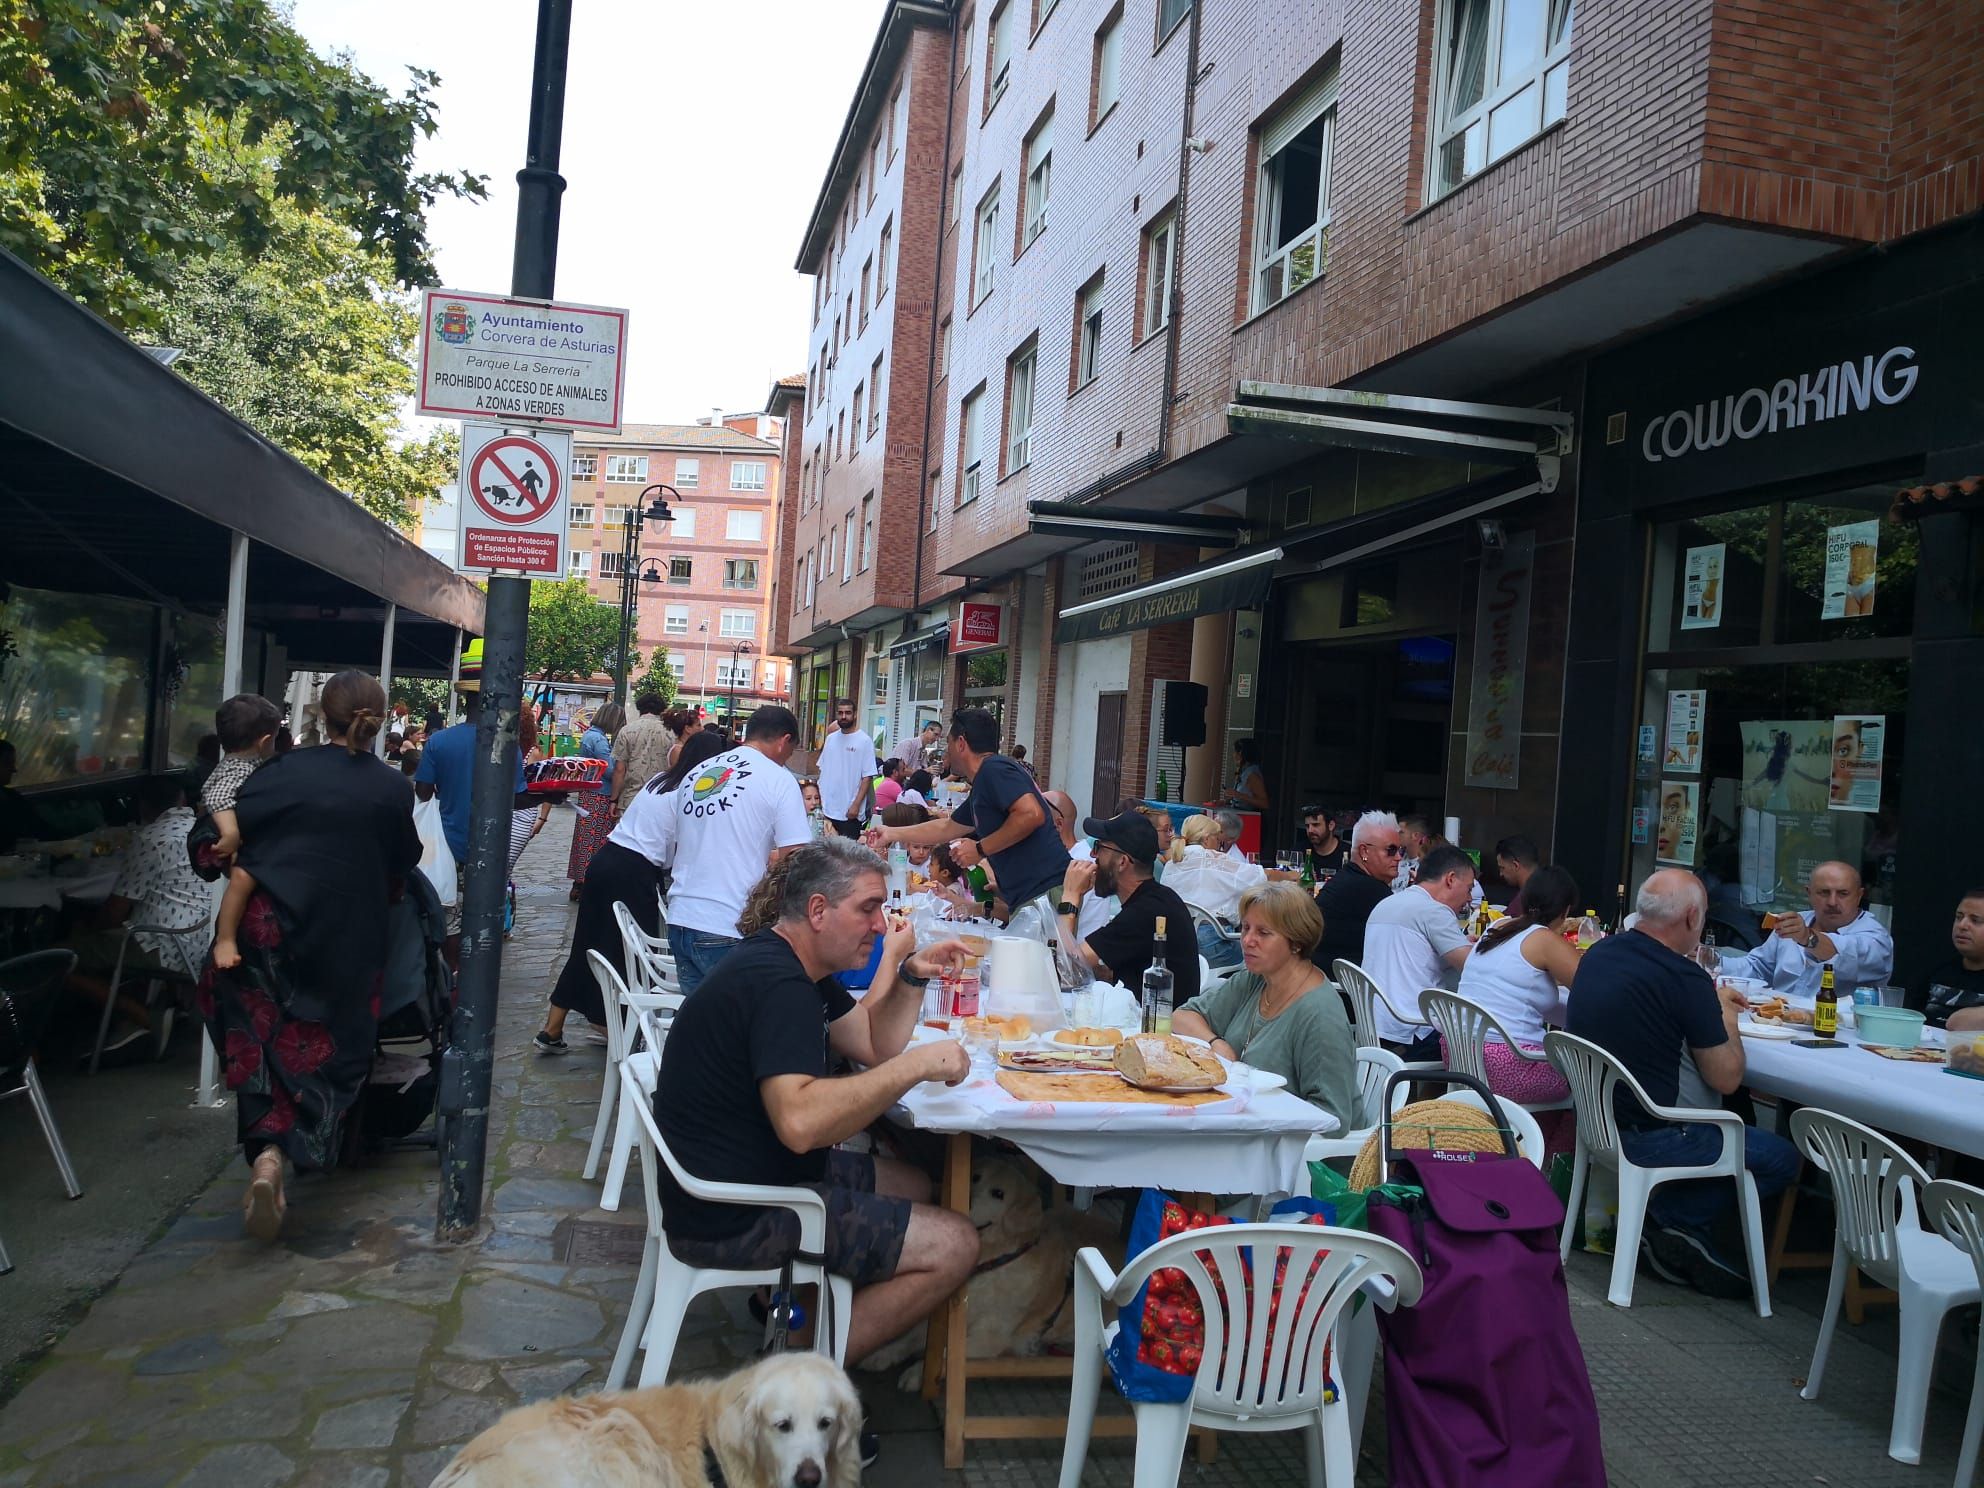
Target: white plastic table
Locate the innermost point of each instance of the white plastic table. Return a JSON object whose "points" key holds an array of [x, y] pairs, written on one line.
{"points": [[1250, 1144], [1912, 1100]]}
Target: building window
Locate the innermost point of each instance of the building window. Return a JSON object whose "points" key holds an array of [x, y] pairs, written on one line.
{"points": [[680, 570], [884, 252], [867, 530], [626, 470], [936, 498], [612, 565], [1169, 14], [579, 564], [675, 620], [1037, 161], [899, 130], [582, 514], [584, 467], [1505, 69], [733, 674], [1160, 240], [856, 409], [944, 347], [684, 524], [895, 124], [1019, 409], [1292, 205], [875, 397], [867, 275], [984, 247], [688, 473], [678, 667], [735, 623], [847, 556], [747, 475], [833, 547], [740, 573], [968, 452], [874, 167], [613, 516], [998, 53], [771, 677], [1108, 86], [1088, 332], [744, 526]]}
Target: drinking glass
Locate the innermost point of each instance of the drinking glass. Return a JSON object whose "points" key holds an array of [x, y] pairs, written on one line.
{"points": [[982, 1044], [1086, 1006]]}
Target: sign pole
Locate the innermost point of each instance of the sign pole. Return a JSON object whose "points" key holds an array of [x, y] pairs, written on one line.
{"points": [[465, 1086]]}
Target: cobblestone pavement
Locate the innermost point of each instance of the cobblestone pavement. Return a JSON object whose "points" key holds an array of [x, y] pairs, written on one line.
{"points": [[359, 1354]]}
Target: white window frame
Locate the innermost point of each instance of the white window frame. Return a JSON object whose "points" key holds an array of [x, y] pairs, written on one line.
{"points": [[884, 250], [738, 625], [999, 52], [735, 676], [1305, 257], [875, 397], [1108, 68], [736, 521], [1039, 188], [688, 575], [585, 467], [730, 566], [1507, 115], [1021, 378], [1179, 10], [688, 472], [579, 564], [971, 419], [613, 516], [684, 525], [678, 667], [1158, 269], [626, 470], [1088, 334], [867, 530], [753, 481], [847, 539], [581, 514], [675, 620], [985, 247], [612, 563]]}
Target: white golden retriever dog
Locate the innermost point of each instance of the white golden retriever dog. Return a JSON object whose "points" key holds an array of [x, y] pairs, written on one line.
{"points": [[790, 1421]]}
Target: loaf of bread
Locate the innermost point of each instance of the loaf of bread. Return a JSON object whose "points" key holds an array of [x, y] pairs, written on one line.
{"points": [[1091, 1038], [1158, 1059]]}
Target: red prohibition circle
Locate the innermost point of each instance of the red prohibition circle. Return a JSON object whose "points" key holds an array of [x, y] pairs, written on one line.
{"points": [[514, 480]]}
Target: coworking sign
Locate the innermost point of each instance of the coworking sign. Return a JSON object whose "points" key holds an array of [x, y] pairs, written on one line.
{"points": [[514, 493]]}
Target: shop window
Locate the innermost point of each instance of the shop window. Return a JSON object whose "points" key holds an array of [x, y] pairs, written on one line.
{"points": [[1370, 595], [1504, 77]]}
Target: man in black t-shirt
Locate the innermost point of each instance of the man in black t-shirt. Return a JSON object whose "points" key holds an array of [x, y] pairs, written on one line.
{"points": [[744, 1096], [1009, 823], [1952, 994], [1641, 997], [1359, 887], [1326, 849], [1124, 864]]}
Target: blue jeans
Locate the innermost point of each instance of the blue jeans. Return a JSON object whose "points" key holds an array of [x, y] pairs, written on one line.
{"points": [[696, 954], [1216, 948], [1696, 1204]]}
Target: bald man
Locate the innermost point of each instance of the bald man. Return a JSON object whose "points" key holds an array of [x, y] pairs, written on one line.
{"points": [[1835, 929], [1096, 910]]}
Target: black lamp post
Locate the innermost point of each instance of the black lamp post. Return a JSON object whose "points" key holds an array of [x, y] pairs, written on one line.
{"points": [[742, 648], [630, 572]]}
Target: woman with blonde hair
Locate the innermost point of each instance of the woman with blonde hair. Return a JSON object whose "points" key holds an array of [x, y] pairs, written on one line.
{"points": [[1279, 1013], [327, 841]]}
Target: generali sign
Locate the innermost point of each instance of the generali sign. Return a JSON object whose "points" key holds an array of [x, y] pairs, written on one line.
{"points": [[978, 626]]}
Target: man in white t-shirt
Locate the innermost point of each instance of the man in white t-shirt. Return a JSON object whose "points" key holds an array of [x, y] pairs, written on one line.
{"points": [[846, 772], [732, 817], [1414, 940]]}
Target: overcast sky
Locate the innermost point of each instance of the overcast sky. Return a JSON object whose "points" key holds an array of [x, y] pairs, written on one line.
{"points": [[696, 137]]}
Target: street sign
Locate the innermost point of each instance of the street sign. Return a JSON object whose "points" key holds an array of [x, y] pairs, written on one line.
{"points": [[515, 486], [531, 362]]}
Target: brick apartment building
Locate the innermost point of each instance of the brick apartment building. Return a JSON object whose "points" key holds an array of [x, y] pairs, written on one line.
{"points": [[710, 600], [1384, 384]]}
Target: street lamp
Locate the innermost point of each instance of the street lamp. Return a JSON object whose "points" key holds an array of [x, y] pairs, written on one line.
{"points": [[631, 572], [742, 648]]}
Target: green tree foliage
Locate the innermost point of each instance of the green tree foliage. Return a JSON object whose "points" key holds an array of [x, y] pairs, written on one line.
{"points": [[572, 635], [109, 114], [309, 342], [657, 679]]}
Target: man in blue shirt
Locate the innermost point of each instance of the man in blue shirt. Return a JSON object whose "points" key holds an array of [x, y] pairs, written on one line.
{"points": [[447, 770]]}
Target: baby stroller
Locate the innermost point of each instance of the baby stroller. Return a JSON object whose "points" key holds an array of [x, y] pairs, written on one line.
{"points": [[415, 1006]]}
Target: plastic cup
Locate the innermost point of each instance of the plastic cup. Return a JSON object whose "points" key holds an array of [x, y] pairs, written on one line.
{"points": [[1893, 996]]}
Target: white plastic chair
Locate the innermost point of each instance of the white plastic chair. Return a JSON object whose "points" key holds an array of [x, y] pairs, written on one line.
{"points": [[1877, 1227], [1594, 1077], [628, 1014], [1374, 1067], [1464, 1028], [666, 1286], [1957, 1210], [1365, 994], [650, 964], [1263, 1364]]}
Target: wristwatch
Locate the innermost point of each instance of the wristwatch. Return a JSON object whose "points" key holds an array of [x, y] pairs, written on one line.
{"points": [[910, 978], [1064, 907]]}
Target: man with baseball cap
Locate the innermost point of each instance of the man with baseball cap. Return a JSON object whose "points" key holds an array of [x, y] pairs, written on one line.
{"points": [[1125, 864]]}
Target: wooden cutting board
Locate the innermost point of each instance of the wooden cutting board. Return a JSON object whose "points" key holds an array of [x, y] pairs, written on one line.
{"points": [[1097, 1089]]}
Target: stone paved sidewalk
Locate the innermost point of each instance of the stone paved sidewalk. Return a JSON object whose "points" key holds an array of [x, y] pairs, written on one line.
{"points": [[359, 1354]]}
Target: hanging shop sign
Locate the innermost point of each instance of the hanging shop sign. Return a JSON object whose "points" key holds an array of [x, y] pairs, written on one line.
{"points": [[1501, 653], [491, 357], [978, 626]]}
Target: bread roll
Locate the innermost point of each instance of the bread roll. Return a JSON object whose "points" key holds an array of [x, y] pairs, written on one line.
{"points": [[1157, 1059]]}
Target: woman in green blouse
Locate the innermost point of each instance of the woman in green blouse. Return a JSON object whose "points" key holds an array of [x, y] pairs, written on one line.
{"points": [[1280, 1013]]}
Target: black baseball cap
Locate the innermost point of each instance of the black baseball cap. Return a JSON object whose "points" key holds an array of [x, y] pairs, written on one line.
{"points": [[1128, 831]]}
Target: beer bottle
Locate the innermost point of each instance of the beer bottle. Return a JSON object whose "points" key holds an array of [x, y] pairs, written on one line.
{"points": [[1825, 1012]]}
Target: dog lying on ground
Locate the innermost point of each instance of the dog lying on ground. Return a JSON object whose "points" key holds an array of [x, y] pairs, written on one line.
{"points": [[1020, 1299], [789, 1421]]}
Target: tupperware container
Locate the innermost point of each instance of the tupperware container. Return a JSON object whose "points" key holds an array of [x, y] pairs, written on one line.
{"points": [[1900, 1028]]}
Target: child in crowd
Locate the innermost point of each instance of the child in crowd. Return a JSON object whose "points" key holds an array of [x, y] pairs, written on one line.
{"points": [[409, 762], [247, 725], [809, 791]]}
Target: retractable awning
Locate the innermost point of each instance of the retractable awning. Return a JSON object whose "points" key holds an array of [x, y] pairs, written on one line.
{"points": [[1236, 583], [934, 638], [1391, 423]]}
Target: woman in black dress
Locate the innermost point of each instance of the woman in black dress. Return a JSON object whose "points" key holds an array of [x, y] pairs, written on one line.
{"points": [[328, 839]]}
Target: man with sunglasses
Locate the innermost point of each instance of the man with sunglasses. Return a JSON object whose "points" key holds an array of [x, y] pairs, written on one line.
{"points": [[1363, 883], [1125, 864]]}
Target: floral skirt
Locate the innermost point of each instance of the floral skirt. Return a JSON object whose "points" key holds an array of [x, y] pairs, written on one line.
{"points": [[294, 1077], [594, 827]]}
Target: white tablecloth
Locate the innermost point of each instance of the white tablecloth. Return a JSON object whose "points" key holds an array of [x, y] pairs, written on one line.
{"points": [[43, 891], [1250, 1144], [1912, 1100]]}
